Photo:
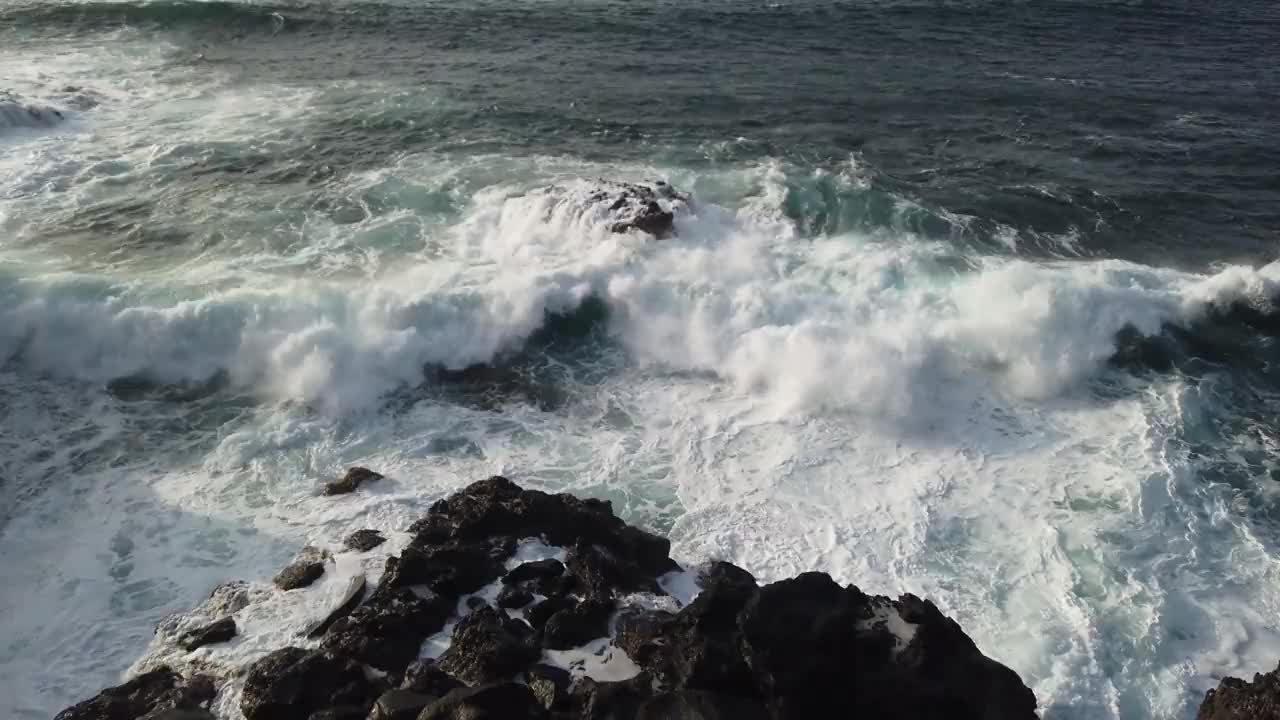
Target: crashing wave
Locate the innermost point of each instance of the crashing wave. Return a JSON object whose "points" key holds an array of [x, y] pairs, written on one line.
{"points": [[17, 113]]}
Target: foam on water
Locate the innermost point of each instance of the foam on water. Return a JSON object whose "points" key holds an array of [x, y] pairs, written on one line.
{"points": [[903, 415]]}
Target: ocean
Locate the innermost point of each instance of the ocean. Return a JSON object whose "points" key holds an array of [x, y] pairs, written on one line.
{"points": [[972, 299]]}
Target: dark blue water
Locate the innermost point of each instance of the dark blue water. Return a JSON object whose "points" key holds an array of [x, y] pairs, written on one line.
{"points": [[975, 300]]}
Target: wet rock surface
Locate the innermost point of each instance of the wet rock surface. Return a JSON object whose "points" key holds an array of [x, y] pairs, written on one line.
{"points": [[797, 648], [351, 598], [305, 569], [1235, 699], [387, 631], [291, 683], [149, 694], [364, 540], [353, 479], [215, 632]]}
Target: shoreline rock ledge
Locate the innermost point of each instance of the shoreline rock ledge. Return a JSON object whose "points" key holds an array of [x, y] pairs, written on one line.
{"points": [[800, 648]]}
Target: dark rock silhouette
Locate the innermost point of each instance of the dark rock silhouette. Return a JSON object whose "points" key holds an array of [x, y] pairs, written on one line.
{"points": [[800, 648], [354, 478], [1235, 699]]}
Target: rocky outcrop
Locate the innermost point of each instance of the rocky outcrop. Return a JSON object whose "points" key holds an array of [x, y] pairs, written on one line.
{"points": [[649, 208], [800, 648], [1235, 699], [148, 695], [292, 683], [354, 478], [364, 540], [646, 208], [218, 631], [305, 569]]}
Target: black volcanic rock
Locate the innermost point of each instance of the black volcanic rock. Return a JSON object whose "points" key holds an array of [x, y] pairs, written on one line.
{"points": [[387, 631], [600, 572], [700, 705], [1235, 699], [701, 646], [354, 478], [215, 632], [791, 650], [425, 677], [484, 649], [305, 569], [504, 701], [542, 611], [551, 685], [578, 625], [512, 597], [400, 705], [179, 714], [151, 692], [535, 571], [450, 568], [498, 507], [291, 683], [363, 540], [634, 206]]}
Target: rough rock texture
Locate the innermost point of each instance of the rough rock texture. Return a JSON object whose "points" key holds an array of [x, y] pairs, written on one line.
{"points": [[505, 701], [400, 705], [180, 714], [498, 507], [512, 597], [649, 208], [387, 631], [354, 478], [305, 569], [152, 692], [364, 540], [424, 676], [487, 648], [291, 683], [551, 685], [1235, 699], [215, 632], [801, 648], [538, 571], [578, 625]]}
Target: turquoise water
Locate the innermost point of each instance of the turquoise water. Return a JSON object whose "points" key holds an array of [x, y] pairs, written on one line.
{"points": [[972, 301]]}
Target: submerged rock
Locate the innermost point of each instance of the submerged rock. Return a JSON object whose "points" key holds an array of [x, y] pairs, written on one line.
{"points": [[18, 113], [305, 569], [354, 478], [1235, 699]]}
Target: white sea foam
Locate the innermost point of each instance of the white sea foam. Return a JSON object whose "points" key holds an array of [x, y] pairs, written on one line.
{"points": [[873, 405]]}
